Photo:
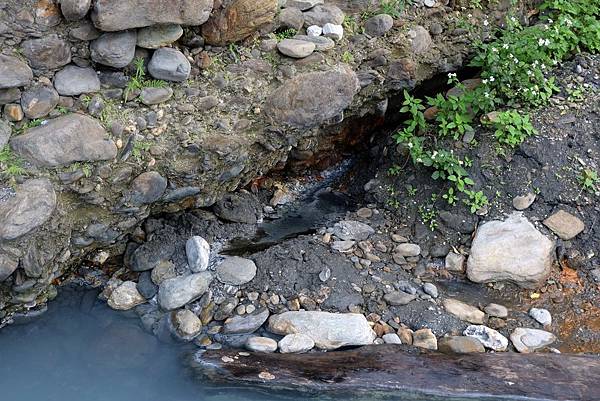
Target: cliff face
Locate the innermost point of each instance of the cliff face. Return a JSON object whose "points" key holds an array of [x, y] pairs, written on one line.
{"points": [[115, 110]]}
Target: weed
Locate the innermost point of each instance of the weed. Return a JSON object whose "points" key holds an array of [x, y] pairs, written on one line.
{"points": [[588, 179], [347, 57], [138, 81], [139, 147], [428, 216], [285, 34], [10, 164], [512, 127]]}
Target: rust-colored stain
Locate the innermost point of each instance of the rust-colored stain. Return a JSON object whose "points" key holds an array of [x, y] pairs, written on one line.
{"points": [[589, 321]]}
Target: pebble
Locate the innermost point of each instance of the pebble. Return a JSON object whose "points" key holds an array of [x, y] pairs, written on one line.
{"points": [[296, 344], [459, 345], [364, 213], [314, 30], [542, 316], [565, 225], [296, 48], [496, 310], [197, 251], [407, 250], [391, 338], [235, 270], [430, 289], [398, 298], [528, 340], [455, 262], [524, 201], [333, 31], [261, 344], [490, 338], [125, 296], [464, 311], [424, 338]]}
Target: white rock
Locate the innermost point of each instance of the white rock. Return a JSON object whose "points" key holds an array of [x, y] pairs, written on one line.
{"points": [[328, 330], [542, 316], [261, 344], [314, 30], [198, 253], [391, 338], [175, 292], [464, 311], [125, 296], [528, 340], [186, 324], [333, 31], [490, 338], [296, 344]]}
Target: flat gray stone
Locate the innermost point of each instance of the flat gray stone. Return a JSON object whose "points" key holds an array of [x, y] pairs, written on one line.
{"points": [[378, 25], [496, 310], [529, 340], [73, 81], [38, 102], [321, 42], [169, 65], [322, 14], [464, 311], [459, 345], [175, 292], [32, 206], [296, 48], [350, 230], [48, 53], [14, 72], [565, 225], [65, 140], [114, 49], [155, 37], [398, 298], [150, 96], [524, 201], [295, 344], [246, 324], [303, 4], [261, 344], [235, 270], [407, 250]]}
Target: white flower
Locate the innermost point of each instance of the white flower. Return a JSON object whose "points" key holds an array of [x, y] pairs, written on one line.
{"points": [[550, 21], [543, 42], [568, 22], [487, 94], [505, 46], [484, 81], [495, 50], [492, 79], [410, 145], [452, 75], [485, 22]]}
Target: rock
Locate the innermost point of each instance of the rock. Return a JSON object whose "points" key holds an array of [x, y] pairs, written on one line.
{"points": [[32, 205], [321, 42], [14, 72], [175, 292], [523, 202], [431, 290], [391, 338], [150, 96], [147, 188], [5, 132], [328, 330], [378, 25], [333, 31], [186, 324], [145, 286], [64, 140], [85, 31], [295, 344], [496, 310], [49, 52], [237, 19], [235, 270], [155, 37], [296, 48], [464, 311], [38, 102], [542, 316], [322, 14], [343, 246], [564, 224], [114, 49], [73, 81], [110, 15], [261, 344], [239, 208], [303, 4], [13, 112], [397, 298], [198, 253], [169, 65], [75, 10], [291, 17], [529, 340], [407, 250], [125, 297], [162, 271], [420, 39], [424, 338], [296, 103], [347, 230], [512, 250], [246, 324], [314, 30], [9, 95], [459, 345], [490, 338], [455, 262], [8, 265]]}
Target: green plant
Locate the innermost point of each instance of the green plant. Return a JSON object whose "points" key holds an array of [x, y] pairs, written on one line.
{"points": [[62, 110], [393, 8], [350, 24], [512, 127], [412, 191], [347, 57], [394, 170], [285, 34], [575, 95], [428, 216], [10, 164], [30, 124], [138, 81], [588, 179], [139, 147]]}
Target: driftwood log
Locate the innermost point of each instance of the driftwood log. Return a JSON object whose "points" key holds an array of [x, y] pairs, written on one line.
{"points": [[402, 371]]}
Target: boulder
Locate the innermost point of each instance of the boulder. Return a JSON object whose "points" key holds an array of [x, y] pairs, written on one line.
{"points": [[240, 207], [32, 205], [511, 250], [147, 188], [464, 311], [74, 10], [114, 49], [322, 14], [14, 72], [125, 297], [65, 140], [296, 48], [9, 95], [490, 338], [565, 225], [295, 344], [185, 325], [237, 19], [175, 292], [49, 52], [459, 345], [261, 344], [424, 338], [38, 102], [420, 39], [291, 18], [169, 65], [155, 37], [298, 104], [235, 270], [378, 25], [197, 251], [73, 81], [528, 340], [110, 15], [348, 230], [328, 330], [246, 324]]}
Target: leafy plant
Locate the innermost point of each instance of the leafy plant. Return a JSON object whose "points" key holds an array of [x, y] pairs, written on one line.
{"points": [[138, 81], [428, 216], [347, 57], [589, 180], [285, 34], [10, 164], [139, 147], [393, 8], [512, 127]]}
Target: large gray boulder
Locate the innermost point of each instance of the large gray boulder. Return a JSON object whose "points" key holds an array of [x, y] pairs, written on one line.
{"points": [[328, 330], [49, 52], [65, 140], [169, 65], [14, 72], [114, 49], [175, 292], [73, 81], [32, 206], [510, 250], [310, 99], [111, 15]]}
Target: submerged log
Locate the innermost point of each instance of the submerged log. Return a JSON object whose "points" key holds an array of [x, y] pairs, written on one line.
{"points": [[402, 371]]}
